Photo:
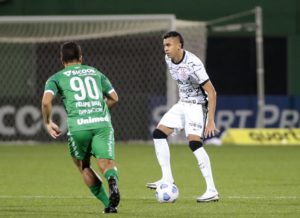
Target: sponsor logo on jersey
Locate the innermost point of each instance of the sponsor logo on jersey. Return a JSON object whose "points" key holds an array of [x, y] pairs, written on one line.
{"points": [[186, 90], [80, 72], [89, 120]]}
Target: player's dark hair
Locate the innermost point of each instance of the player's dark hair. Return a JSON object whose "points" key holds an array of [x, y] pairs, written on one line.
{"points": [[70, 51], [174, 34]]}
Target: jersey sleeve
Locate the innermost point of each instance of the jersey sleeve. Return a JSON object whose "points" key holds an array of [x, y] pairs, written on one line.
{"points": [[199, 74], [51, 86], [106, 85]]}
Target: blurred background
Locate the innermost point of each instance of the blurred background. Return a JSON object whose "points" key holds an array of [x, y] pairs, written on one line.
{"points": [[123, 39]]}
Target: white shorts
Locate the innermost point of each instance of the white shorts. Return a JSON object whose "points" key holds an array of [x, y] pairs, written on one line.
{"points": [[188, 116]]}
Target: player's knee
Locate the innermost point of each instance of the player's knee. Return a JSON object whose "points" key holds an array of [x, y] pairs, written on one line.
{"points": [[158, 134], [194, 145], [105, 164]]}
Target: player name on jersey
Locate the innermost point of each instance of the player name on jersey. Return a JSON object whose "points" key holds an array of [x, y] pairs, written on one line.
{"points": [[88, 103]]}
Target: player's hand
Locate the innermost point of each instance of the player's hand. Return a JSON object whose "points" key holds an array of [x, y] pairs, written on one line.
{"points": [[210, 130], [53, 130]]}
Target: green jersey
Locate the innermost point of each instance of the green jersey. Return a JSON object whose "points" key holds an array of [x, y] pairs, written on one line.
{"points": [[82, 89]]}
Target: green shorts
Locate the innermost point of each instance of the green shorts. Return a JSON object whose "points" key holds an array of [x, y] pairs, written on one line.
{"points": [[97, 142]]}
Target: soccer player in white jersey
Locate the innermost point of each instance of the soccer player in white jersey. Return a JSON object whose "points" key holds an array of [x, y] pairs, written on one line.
{"points": [[194, 113]]}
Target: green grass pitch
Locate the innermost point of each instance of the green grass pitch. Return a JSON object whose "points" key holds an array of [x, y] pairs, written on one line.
{"points": [[253, 181]]}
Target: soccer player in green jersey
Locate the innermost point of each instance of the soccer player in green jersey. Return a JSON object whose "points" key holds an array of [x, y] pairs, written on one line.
{"points": [[87, 95]]}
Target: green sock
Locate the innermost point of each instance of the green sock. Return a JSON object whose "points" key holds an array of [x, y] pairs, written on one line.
{"points": [[100, 193], [111, 172]]}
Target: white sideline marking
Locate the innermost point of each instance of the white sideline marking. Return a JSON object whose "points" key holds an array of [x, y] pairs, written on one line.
{"points": [[264, 197], [145, 198], [44, 196]]}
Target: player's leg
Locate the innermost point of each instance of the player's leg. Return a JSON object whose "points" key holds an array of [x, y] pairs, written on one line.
{"points": [[110, 172], [92, 180], [196, 145], [79, 146], [194, 127], [172, 119], [162, 152], [103, 148]]}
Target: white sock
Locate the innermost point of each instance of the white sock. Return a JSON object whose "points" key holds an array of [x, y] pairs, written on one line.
{"points": [[205, 167], [163, 156]]}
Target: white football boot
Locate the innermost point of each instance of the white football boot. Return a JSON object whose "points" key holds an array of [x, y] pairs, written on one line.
{"points": [[154, 185], [209, 196]]}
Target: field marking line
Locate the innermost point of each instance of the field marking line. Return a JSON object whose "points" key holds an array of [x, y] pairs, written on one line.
{"points": [[145, 198], [263, 197], [44, 196]]}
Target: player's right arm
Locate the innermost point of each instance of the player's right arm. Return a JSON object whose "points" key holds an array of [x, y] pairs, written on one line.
{"points": [[52, 128], [50, 91]]}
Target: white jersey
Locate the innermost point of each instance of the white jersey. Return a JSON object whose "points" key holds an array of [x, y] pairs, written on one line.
{"points": [[190, 75]]}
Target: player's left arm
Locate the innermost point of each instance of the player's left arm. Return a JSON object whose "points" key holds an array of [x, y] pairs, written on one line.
{"points": [[52, 128], [109, 92], [112, 98], [210, 128]]}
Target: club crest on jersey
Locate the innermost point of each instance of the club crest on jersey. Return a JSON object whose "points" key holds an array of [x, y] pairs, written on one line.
{"points": [[183, 73]]}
